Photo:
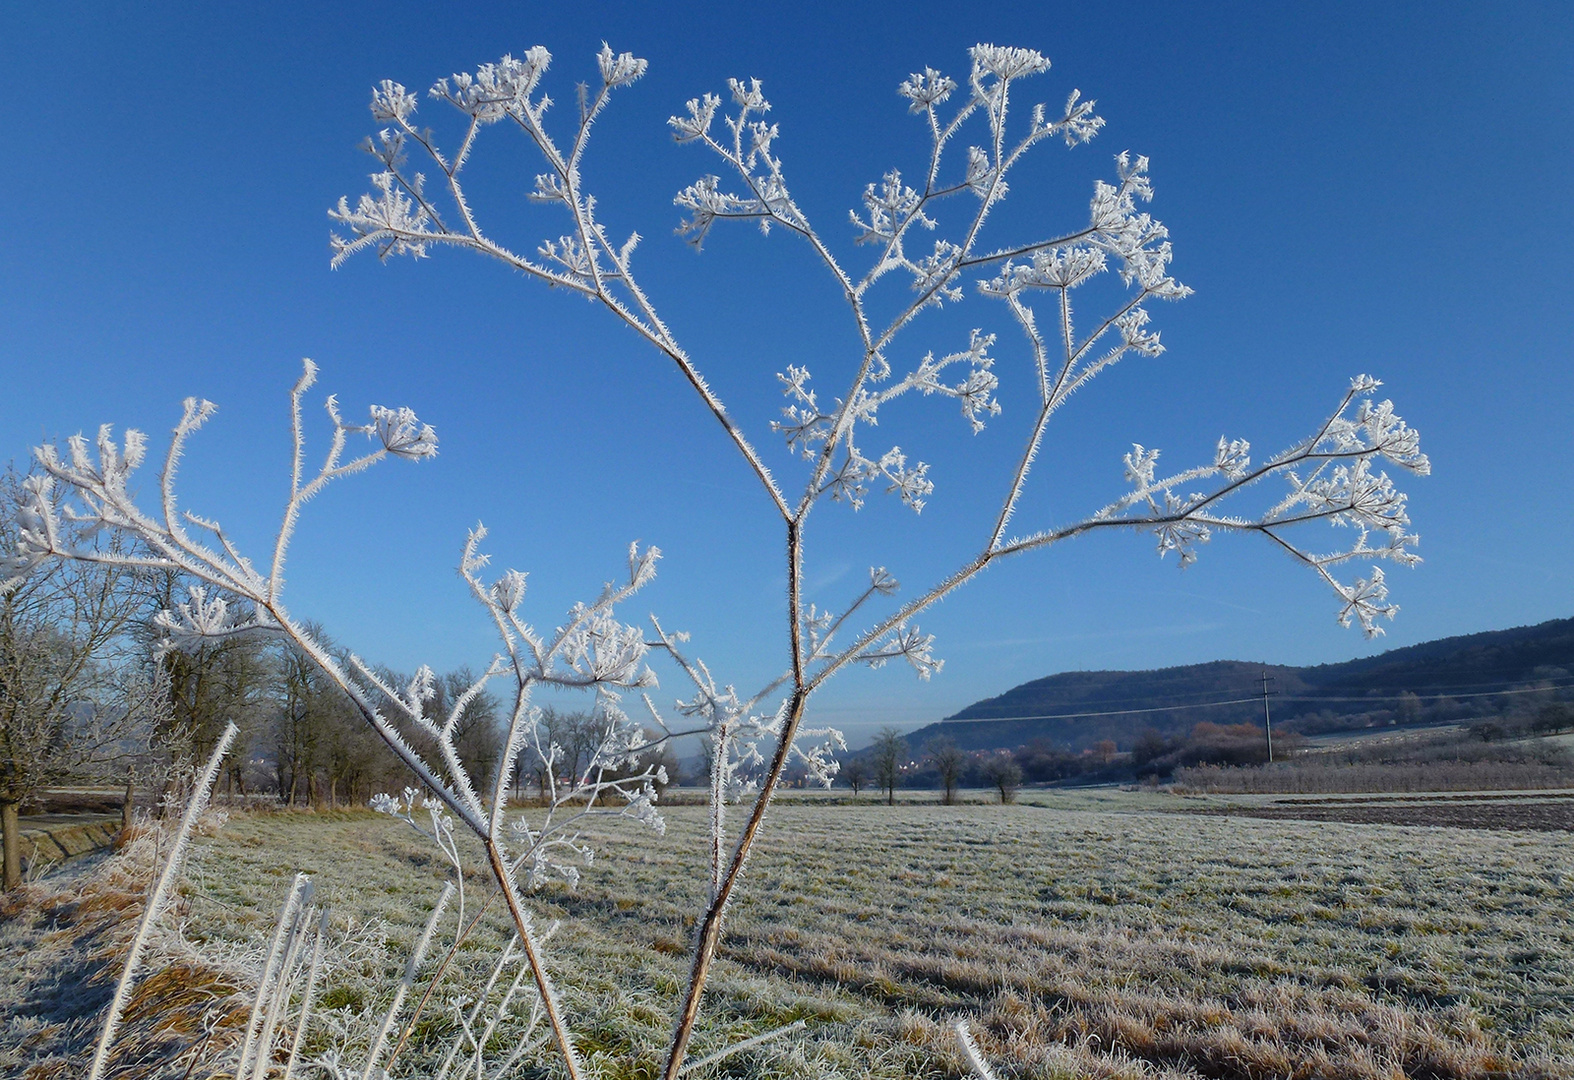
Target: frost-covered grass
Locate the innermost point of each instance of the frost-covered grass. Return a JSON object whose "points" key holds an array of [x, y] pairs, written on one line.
{"points": [[63, 944], [1086, 942]]}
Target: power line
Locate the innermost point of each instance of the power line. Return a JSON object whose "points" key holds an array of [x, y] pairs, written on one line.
{"points": [[1156, 696], [1447, 690], [1110, 712], [1492, 682], [1437, 697]]}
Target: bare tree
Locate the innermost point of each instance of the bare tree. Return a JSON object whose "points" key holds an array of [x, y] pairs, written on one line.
{"points": [[210, 686], [582, 734], [478, 736], [321, 745], [575, 735], [949, 761], [298, 724], [888, 753], [1409, 710], [1001, 770], [356, 762], [856, 772], [73, 703]]}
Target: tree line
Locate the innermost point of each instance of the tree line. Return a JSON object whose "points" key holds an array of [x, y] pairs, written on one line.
{"points": [[890, 762]]}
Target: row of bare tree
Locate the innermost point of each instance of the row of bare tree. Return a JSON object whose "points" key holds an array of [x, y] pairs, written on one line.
{"points": [[889, 762]]}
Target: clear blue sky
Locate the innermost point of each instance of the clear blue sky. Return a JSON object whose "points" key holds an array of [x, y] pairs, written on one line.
{"points": [[1350, 188]]}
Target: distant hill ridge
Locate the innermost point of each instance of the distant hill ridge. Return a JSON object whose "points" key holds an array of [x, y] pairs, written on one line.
{"points": [[1452, 677]]}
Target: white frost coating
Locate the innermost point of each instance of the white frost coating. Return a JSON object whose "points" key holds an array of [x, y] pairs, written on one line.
{"points": [[970, 1052], [1330, 476], [918, 239], [308, 994], [81, 495], [411, 967], [282, 958], [158, 900]]}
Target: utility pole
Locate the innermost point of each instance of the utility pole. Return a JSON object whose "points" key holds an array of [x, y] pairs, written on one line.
{"points": [[1267, 722]]}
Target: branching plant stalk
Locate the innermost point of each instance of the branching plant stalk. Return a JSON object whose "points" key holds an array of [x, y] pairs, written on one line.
{"points": [[203, 786], [594, 652]]}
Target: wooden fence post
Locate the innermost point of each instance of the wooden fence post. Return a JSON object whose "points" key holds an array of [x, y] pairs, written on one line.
{"points": [[10, 821]]}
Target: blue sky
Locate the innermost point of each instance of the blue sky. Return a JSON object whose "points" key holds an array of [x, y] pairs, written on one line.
{"points": [[1349, 188]]}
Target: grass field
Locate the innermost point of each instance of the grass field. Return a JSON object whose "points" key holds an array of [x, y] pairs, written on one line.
{"points": [[1092, 934]]}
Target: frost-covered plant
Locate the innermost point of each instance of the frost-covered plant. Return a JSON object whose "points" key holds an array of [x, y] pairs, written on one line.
{"points": [[85, 493], [1330, 474], [158, 899], [975, 139]]}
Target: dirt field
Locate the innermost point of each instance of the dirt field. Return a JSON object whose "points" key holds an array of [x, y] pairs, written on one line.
{"points": [[1534, 813]]}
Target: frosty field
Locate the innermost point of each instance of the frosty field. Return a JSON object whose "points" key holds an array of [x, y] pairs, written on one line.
{"points": [[1085, 936]]}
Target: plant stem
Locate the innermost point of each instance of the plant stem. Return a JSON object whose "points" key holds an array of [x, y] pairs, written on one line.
{"points": [[709, 935], [527, 940]]}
